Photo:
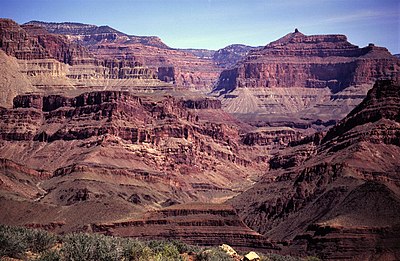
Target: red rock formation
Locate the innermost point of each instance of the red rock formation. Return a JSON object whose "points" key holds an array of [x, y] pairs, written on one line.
{"points": [[165, 135], [196, 224], [303, 80], [111, 46], [31, 42], [342, 191], [316, 61]]}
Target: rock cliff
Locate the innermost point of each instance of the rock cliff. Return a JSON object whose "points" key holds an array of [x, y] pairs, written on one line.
{"points": [[317, 77], [195, 223], [110, 46], [139, 152], [328, 191]]}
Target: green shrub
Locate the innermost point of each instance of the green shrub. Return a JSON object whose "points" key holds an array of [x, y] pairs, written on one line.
{"points": [[213, 254], [49, 255], [39, 240], [15, 241], [12, 241], [312, 258], [165, 250], [90, 247], [184, 248]]}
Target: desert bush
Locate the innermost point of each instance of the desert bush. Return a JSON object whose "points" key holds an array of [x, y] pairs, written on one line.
{"points": [[90, 247], [39, 240], [213, 254], [49, 255], [184, 248], [164, 249], [134, 250], [12, 241]]}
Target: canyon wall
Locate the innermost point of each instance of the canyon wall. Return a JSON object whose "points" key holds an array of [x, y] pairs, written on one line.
{"points": [[317, 77]]}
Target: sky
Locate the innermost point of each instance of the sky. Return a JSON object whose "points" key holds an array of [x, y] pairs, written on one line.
{"points": [[214, 24]]}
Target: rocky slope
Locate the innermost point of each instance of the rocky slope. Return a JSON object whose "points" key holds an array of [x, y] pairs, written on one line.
{"points": [[229, 56], [118, 153], [337, 195], [317, 77]]}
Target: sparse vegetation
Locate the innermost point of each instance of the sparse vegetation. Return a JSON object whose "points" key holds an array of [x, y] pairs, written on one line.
{"points": [[213, 254], [40, 245]]}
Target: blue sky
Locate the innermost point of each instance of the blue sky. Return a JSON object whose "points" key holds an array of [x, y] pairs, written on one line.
{"points": [[213, 24]]}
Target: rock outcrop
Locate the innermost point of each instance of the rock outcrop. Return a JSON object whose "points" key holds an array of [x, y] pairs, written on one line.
{"points": [[138, 152], [116, 50], [229, 56], [316, 61], [317, 77], [195, 224], [329, 191]]}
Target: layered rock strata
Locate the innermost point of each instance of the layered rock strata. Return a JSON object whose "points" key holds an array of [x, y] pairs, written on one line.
{"points": [[195, 224], [317, 77], [112, 47], [343, 188], [140, 152]]}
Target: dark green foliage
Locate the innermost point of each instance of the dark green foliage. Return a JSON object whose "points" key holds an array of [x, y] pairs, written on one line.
{"points": [[184, 248], [15, 241], [152, 250], [90, 247], [276, 257], [40, 240], [134, 250], [12, 241]]}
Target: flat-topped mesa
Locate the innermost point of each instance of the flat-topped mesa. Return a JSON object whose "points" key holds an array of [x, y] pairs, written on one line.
{"points": [[316, 61], [298, 44]]}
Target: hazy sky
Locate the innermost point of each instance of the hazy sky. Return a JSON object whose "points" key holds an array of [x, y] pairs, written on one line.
{"points": [[213, 24]]}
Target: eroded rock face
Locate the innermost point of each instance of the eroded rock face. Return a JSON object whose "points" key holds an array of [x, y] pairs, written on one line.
{"points": [[330, 188], [108, 45], [164, 139], [315, 78], [195, 223], [316, 61], [229, 56]]}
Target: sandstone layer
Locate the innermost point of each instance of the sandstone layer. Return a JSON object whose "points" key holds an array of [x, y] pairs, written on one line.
{"points": [[118, 50], [195, 223], [302, 79], [336, 195], [116, 153]]}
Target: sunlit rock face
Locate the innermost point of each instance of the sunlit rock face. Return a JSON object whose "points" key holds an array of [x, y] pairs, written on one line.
{"points": [[317, 77]]}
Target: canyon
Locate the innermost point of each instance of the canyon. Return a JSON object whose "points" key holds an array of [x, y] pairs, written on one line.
{"points": [[283, 148], [303, 81], [336, 195]]}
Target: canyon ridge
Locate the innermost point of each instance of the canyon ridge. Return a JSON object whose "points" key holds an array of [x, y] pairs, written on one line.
{"points": [[288, 148]]}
